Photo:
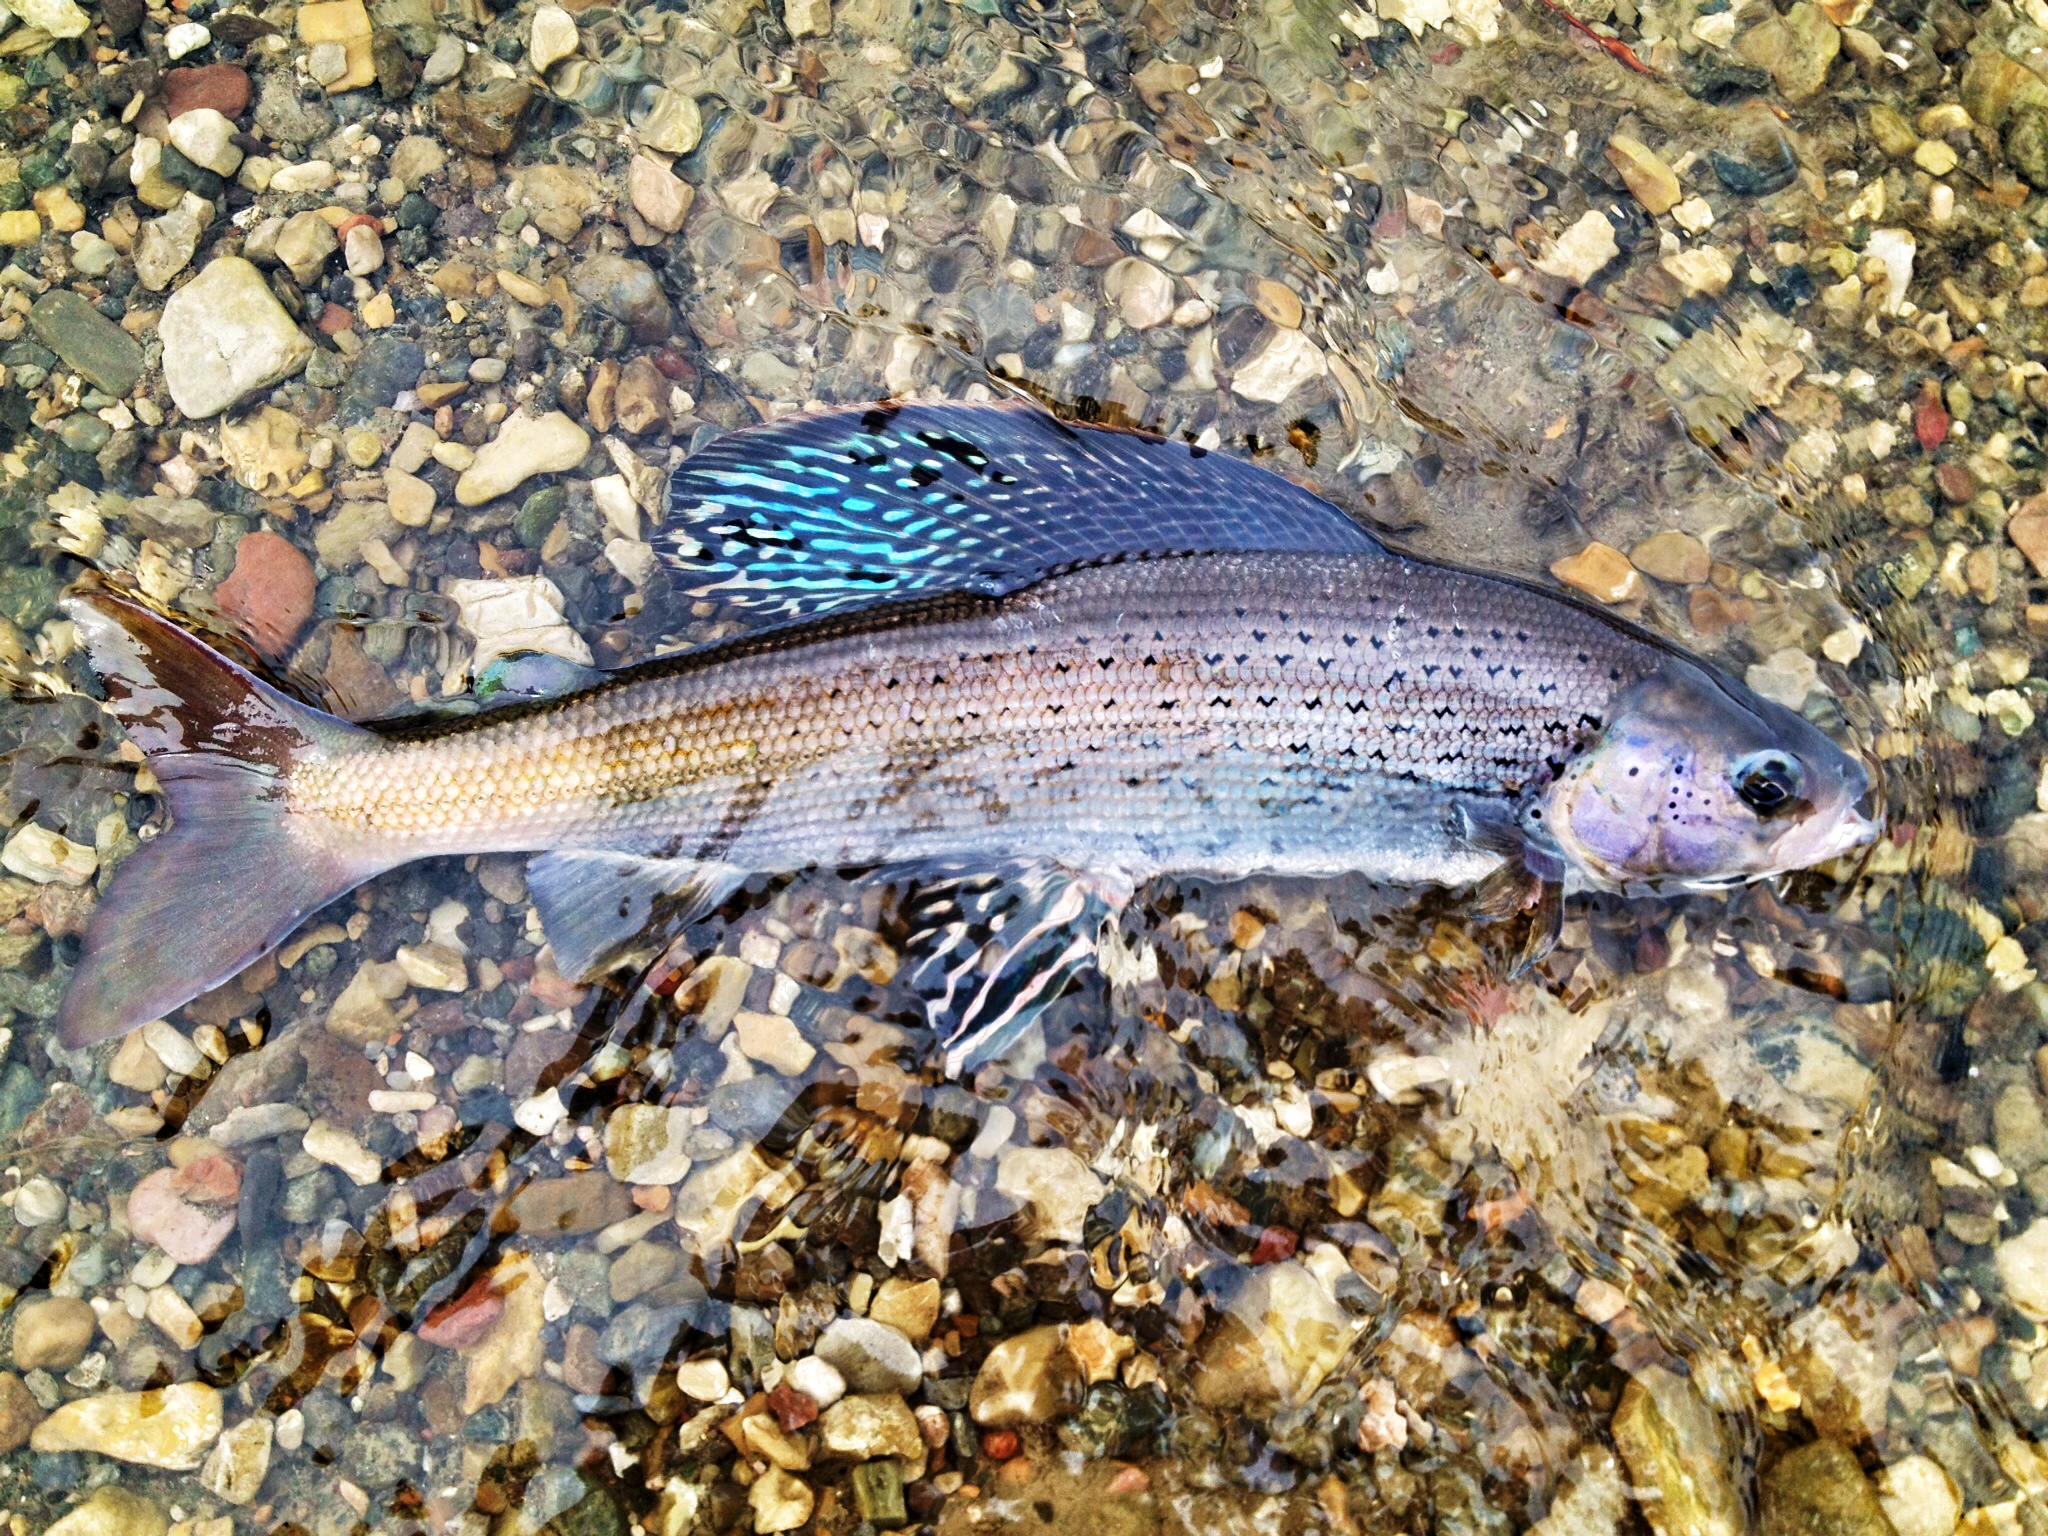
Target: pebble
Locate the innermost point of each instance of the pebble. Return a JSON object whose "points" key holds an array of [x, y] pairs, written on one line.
{"points": [[225, 336], [36, 853], [1918, 1497], [1028, 1378], [658, 195], [1674, 557], [1060, 1188], [774, 1041], [1600, 571], [52, 1333], [2022, 1266], [523, 447], [185, 37], [1650, 181], [807, 18], [40, 1201], [520, 613], [166, 248], [303, 246], [187, 1212], [1675, 1451], [88, 342], [113, 1511], [1785, 677], [1796, 48], [207, 138], [673, 125], [248, 1124], [1284, 362], [59, 18], [362, 250], [817, 1380], [703, 1381], [1283, 1334], [1817, 1487], [643, 1143], [222, 88], [1141, 292], [330, 1144], [551, 38], [19, 1412], [444, 63], [869, 1356], [1581, 250], [780, 1501], [911, 1307], [170, 1427], [863, 1426], [270, 593], [629, 292], [511, 1349]]}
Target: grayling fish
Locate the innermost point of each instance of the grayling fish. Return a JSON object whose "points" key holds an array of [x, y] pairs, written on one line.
{"points": [[987, 640]]}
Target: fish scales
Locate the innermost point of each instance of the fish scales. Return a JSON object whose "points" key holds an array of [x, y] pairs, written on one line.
{"points": [[1168, 710]]}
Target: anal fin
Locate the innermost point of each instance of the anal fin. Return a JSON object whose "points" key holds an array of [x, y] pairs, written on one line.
{"points": [[593, 903]]}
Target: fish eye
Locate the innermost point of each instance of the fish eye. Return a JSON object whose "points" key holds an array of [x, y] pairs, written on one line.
{"points": [[1768, 782]]}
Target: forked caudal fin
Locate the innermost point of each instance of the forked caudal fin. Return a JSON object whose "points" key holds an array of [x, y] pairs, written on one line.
{"points": [[236, 871]]}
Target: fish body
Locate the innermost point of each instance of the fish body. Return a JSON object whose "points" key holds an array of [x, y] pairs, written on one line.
{"points": [[1142, 708]]}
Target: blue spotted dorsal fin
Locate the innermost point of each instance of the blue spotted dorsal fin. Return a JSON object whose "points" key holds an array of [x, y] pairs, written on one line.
{"points": [[851, 506]]}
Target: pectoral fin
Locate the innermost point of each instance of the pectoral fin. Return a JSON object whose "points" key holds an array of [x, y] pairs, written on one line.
{"points": [[594, 903], [1530, 880]]}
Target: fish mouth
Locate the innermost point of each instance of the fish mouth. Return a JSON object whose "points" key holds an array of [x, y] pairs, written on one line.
{"points": [[1818, 839]]}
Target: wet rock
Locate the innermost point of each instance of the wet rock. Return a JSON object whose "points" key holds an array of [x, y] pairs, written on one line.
{"points": [[2022, 1265], [225, 336], [571, 1206], [1600, 571], [1284, 362], [1058, 1186], [673, 124], [703, 1381], [166, 247], [59, 18], [19, 1413], [485, 121], [207, 139], [1796, 48], [87, 340], [1581, 250], [1678, 1458], [521, 613], [774, 1041], [1755, 158], [780, 1501], [1918, 1497], [1282, 1334], [169, 1427], [114, 1511], [187, 1212], [1141, 292], [551, 37], [52, 1333], [1650, 181], [629, 292], [658, 195], [222, 88], [328, 1143], [240, 1459], [303, 246], [36, 853], [1820, 1490], [1674, 557], [386, 366], [866, 1425], [870, 1356], [270, 593], [2028, 529], [642, 1335], [643, 1144], [2026, 144], [378, 1455], [1028, 1378], [524, 447], [910, 1307], [815, 1380], [512, 1349]]}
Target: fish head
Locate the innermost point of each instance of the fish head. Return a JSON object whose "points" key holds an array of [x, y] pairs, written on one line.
{"points": [[1694, 782]]}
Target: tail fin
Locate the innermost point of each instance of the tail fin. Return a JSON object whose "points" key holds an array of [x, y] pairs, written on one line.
{"points": [[236, 870]]}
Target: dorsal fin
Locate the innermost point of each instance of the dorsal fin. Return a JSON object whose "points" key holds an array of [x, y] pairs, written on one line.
{"points": [[852, 506]]}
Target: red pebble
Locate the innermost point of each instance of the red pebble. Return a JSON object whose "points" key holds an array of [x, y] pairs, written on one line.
{"points": [[1274, 1244], [1129, 1480], [792, 1409], [334, 320], [1930, 418], [223, 87], [460, 1323], [1000, 1444], [270, 592]]}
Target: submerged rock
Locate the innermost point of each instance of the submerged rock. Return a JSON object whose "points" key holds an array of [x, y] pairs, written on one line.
{"points": [[1820, 1490], [170, 1427], [225, 336], [1678, 1458]]}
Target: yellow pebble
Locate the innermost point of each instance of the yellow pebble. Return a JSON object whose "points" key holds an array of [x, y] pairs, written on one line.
{"points": [[21, 227]]}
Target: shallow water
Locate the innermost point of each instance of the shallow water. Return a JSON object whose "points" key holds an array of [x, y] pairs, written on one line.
{"points": [[1296, 1214]]}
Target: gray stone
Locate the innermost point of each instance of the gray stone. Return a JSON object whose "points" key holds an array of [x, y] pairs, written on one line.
{"points": [[629, 292], [388, 364], [87, 340]]}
